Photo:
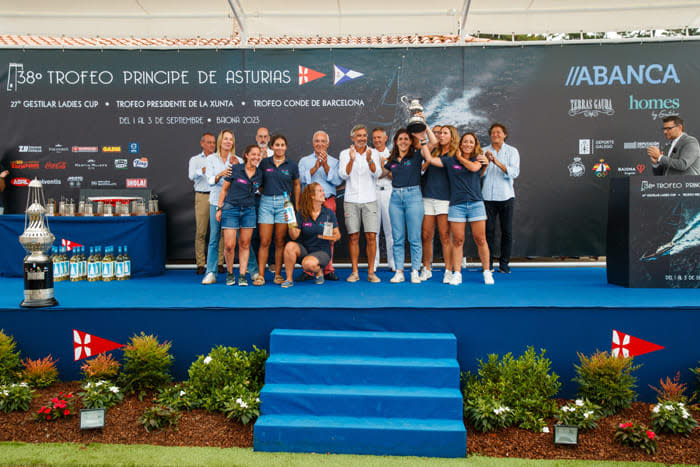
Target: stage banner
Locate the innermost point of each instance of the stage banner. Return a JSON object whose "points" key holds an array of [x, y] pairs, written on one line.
{"points": [[578, 114]]}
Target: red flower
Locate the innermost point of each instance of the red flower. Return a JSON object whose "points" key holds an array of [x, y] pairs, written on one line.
{"points": [[48, 417], [41, 410], [68, 396], [651, 434], [66, 412], [60, 393], [625, 425], [54, 400]]}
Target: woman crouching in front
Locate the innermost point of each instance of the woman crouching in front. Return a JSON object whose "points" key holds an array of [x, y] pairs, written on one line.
{"points": [[317, 228]]}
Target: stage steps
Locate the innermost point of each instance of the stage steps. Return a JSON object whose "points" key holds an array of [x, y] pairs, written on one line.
{"points": [[357, 392]]}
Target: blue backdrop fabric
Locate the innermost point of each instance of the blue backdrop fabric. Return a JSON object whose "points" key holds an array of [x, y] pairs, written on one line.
{"points": [[564, 311]]}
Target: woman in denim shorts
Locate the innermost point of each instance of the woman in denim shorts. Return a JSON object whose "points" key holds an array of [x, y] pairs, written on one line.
{"points": [[466, 203], [280, 179], [236, 210]]}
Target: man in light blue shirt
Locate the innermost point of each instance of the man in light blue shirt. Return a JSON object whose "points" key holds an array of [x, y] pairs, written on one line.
{"points": [[198, 175], [321, 168], [498, 193]]}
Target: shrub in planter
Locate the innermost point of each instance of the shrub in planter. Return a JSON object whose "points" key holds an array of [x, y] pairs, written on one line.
{"points": [[15, 396], [158, 417], [524, 384], [100, 395], [636, 436], [241, 404], [60, 406], [696, 372], [672, 417], [606, 381], [222, 367], [10, 362], [176, 397], [102, 367], [487, 414], [146, 365], [40, 373], [582, 413]]}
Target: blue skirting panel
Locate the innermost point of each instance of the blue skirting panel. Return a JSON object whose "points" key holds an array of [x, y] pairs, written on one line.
{"points": [[564, 311]]}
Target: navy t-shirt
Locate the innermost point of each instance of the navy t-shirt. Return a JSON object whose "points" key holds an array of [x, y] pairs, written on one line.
{"points": [[243, 188], [406, 172], [311, 229], [465, 185], [435, 183], [277, 180]]}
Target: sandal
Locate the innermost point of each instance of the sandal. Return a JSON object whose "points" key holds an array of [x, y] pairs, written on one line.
{"points": [[278, 280], [260, 280]]}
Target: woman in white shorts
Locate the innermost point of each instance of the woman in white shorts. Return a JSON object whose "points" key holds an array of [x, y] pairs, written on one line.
{"points": [[466, 203]]}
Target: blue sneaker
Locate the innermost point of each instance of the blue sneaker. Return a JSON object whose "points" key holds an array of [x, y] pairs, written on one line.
{"points": [[319, 279], [287, 284]]}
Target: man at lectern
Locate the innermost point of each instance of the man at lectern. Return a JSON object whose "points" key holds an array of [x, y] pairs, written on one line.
{"points": [[682, 157]]}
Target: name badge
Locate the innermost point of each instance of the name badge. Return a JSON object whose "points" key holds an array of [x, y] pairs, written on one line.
{"points": [[307, 224], [240, 180], [327, 229], [457, 167]]}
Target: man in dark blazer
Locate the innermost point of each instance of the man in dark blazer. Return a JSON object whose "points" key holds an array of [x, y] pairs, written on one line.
{"points": [[682, 156]]}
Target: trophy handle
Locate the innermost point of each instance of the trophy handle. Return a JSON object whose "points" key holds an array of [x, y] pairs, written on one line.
{"points": [[404, 100]]}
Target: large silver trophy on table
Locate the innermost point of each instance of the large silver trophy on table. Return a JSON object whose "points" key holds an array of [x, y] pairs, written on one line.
{"points": [[416, 124], [37, 239]]}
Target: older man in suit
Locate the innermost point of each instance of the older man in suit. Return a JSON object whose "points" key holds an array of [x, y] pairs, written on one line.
{"points": [[682, 156]]}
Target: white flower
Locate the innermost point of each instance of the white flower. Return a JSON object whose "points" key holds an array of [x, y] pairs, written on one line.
{"points": [[114, 389], [656, 408], [668, 406], [587, 414], [257, 399], [681, 404], [241, 403], [182, 393], [565, 408], [207, 360], [24, 385], [579, 402], [99, 383], [545, 429], [5, 392], [685, 415]]}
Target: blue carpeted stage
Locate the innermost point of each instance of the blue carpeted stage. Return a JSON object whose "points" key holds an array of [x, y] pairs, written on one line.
{"points": [[563, 310]]}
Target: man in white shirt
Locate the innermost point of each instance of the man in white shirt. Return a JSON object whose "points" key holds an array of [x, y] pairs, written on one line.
{"points": [[198, 175], [379, 139], [360, 167], [262, 136]]}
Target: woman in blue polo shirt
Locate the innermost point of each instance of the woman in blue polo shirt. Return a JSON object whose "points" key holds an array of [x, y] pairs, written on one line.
{"points": [[236, 210], [308, 241], [280, 176], [436, 202], [466, 203], [406, 203]]}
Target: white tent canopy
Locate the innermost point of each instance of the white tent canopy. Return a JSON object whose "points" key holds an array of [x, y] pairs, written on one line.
{"points": [[223, 18]]}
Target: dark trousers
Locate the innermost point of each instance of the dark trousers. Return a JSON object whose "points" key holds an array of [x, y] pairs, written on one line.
{"points": [[501, 212]]}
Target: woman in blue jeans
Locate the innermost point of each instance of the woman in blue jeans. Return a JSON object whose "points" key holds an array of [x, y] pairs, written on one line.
{"points": [[406, 204], [236, 211]]}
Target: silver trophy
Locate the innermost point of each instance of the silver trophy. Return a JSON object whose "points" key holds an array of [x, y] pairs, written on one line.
{"points": [[416, 124], [36, 240]]}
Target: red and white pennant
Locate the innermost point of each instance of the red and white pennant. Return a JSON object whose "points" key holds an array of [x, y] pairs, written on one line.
{"points": [[69, 244], [624, 345], [307, 74], [86, 345]]}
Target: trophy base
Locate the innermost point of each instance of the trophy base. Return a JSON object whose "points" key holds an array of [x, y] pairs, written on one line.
{"points": [[416, 127], [38, 303]]}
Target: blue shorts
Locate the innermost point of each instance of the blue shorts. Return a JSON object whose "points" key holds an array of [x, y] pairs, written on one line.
{"points": [[271, 210], [472, 212], [234, 217]]}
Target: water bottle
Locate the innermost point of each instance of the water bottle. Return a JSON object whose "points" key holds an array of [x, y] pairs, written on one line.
{"points": [[73, 266], [289, 212], [56, 260], [126, 262], [108, 265], [119, 265], [91, 266]]}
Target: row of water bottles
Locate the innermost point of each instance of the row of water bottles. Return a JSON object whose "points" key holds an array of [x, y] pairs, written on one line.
{"points": [[95, 267]]}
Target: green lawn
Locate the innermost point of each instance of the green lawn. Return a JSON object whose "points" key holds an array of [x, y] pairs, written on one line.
{"points": [[139, 455]]}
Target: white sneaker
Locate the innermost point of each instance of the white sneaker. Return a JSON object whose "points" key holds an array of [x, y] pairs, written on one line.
{"points": [[210, 278], [425, 274], [415, 276], [456, 278], [398, 277], [448, 277], [488, 278]]}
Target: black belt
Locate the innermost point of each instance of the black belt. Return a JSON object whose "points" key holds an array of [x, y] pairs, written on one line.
{"points": [[202, 192]]}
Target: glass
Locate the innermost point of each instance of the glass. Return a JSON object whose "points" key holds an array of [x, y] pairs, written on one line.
{"points": [[669, 127]]}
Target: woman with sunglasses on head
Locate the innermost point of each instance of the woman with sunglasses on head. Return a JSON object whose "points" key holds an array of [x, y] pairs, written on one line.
{"points": [[280, 177], [236, 211], [317, 228], [218, 166], [466, 203]]}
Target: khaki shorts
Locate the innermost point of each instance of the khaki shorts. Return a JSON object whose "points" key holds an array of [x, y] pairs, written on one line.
{"points": [[435, 207], [364, 214]]}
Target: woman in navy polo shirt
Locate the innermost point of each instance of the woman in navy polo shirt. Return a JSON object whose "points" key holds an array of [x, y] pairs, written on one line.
{"points": [[406, 203], [466, 202], [280, 176], [308, 241], [236, 210], [436, 202]]}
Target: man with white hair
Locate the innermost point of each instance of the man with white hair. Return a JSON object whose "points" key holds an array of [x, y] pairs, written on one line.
{"points": [[360, 167], [321, 168]]}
